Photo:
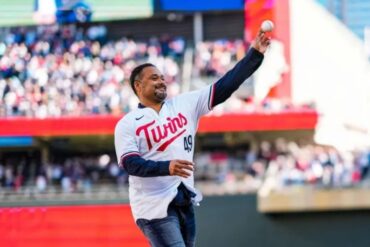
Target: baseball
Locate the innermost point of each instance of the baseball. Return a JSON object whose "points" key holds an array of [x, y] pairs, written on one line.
{"points": [[267, 26]]}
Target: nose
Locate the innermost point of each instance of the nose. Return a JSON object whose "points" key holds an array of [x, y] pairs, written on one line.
{"points": [[160, 85]]}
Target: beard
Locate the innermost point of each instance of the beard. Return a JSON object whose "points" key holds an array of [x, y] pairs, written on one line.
{"points": [[160, 94]]}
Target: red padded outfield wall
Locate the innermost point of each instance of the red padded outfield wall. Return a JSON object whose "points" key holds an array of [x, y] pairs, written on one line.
{"points": [[73, 226]]}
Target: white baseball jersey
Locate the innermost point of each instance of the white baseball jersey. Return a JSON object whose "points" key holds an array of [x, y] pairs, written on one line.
{"points": [[163, 136]]}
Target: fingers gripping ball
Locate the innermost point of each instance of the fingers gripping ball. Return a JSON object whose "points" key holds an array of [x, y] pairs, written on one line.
{"points": [[267, 26]]}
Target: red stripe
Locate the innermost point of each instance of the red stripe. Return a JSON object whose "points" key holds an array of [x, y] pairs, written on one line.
{"points": [[258, 122], [104, 125], [125, 156], [212, 96], [165, 145], [63, 126]]}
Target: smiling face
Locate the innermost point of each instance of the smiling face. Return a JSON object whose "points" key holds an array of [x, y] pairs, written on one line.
{"points": [[150, 85]]}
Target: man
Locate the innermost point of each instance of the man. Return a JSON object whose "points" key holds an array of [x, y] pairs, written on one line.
{"points": [[155, 145]]}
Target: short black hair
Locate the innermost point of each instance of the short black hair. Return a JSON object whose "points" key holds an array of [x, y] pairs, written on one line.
{"points": [[136, 72]]}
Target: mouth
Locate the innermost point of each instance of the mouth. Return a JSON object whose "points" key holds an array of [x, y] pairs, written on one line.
{"points": [[161, 88]]}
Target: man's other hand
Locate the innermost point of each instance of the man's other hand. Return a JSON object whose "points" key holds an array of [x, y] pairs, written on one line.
{"points": [[181, 168]]}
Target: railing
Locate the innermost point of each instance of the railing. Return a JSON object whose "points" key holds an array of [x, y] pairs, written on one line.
{"points": [[54, 195]]}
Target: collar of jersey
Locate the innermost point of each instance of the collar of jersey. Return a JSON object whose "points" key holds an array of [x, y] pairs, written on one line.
{"points": [[143, 106]]}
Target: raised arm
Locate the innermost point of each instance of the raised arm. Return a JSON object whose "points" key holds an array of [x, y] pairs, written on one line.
{"points": [[231, 81]]}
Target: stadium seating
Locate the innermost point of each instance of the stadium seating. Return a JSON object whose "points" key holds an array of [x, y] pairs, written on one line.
{"points": [[57, 71]]}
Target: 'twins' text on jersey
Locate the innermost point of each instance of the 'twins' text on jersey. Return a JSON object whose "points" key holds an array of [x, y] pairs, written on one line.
{"points": [[170, 131]]}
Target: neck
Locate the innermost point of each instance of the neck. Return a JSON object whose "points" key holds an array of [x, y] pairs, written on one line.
{"points": [[154, 105]]}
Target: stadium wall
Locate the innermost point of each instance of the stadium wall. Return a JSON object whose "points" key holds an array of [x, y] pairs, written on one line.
{"points": [[221, 221], [234, 221]]}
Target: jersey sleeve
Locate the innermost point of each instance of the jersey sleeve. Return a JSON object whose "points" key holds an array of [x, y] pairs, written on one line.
{"points": [[199, 101], [125, 142]]}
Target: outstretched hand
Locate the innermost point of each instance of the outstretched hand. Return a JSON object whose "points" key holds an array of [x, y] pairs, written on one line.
{"points": [[262, 42], [181, 168]]}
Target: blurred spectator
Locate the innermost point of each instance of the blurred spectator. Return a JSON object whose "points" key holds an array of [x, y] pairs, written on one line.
{"points": [[215, 58]]}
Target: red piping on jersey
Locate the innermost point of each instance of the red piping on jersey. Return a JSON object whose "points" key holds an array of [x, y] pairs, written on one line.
{"points": [[126, 155], [211, 97], [168, 142]]}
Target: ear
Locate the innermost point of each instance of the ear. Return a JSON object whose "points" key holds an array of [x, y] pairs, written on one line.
{"points": [[137, 85]]}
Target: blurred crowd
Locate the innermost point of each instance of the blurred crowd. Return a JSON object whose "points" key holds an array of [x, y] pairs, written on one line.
{"points": [[67, 175], [55, 71], [52, 71], [297, 164], [322, 166], [215, 58]]}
